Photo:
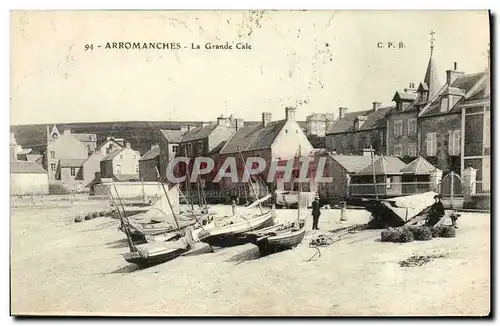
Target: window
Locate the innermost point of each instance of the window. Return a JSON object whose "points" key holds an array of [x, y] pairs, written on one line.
{"points": [[382, 137], [444, 104], [398, 150], [431, 144], [52, 154], [412, 150], [133, 157], [118, 169], [88, 148], [388, 183], [398, 128], [368, 141], [486, 129], [73, 172], [137, 169], [121, 157], [174, 148], [454, 142], [412, 127], [53, 167], [190, 149], [200, 147]]}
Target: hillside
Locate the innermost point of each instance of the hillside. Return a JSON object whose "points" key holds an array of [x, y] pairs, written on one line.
{"points": [[140, 134]]}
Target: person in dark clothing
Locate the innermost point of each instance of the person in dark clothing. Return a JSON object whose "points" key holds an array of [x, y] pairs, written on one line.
{"points": [[315, 212], [436, 212]]}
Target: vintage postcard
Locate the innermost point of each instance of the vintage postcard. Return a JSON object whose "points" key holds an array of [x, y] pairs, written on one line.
{"points": [[250, 163]]}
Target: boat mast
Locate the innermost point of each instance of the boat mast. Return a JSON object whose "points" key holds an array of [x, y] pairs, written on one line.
{"points": [[249, 179], [122, 219], [168, 200], [372, 154], [299, 188]]}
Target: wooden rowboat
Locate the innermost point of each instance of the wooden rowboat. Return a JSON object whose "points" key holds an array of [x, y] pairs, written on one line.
{"points": [[278, 238], [233, 231], [148, 254]]}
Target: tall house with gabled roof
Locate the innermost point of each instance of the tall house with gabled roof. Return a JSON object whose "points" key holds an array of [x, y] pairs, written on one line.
{"points": [[402, 135]]}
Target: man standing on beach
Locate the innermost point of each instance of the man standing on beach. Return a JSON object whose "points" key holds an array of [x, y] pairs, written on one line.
{"points": [[315, 212]]}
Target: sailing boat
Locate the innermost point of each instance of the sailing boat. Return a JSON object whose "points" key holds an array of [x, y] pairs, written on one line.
{"points": [[152, 254], [231, 230], [156, 222], [281, 236]]}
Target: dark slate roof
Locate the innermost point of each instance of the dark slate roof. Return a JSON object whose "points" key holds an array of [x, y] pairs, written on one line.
{"points": [[352, 163], [71, 163], [405, 96], [460, 86], [253, 137], [199, 133], [384, 165], [26, 167], [151, 154], [33, 157], [112, 155], [375, 119], [173, 136], [85, 137], [419, 166], [217, 148]]}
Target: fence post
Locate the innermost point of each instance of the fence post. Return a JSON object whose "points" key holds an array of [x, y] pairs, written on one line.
{"points": [[452, 178], [469, 183]]}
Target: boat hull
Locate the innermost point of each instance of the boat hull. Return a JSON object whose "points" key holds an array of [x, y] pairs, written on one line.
{"points": [[236, 235], [144, 261], [269, 244]]}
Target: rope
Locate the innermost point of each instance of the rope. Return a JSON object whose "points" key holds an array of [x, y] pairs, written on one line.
{"points": [[320, 240]]}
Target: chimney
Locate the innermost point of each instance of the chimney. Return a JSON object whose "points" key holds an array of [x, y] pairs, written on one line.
{"points": [[153, 146], [376, 106], [67, 131], [266, 118], [451, 75], [239, 123], [290, 113], [342, 112], [127, 145], [222, 121]]}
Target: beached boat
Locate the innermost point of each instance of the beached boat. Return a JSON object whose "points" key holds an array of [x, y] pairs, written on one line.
{"points": [[282, 236], [150, 254], [231, 230], [279, 237]]}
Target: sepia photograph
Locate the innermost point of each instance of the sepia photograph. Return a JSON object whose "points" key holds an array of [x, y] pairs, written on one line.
{"points": [[192, 163]]}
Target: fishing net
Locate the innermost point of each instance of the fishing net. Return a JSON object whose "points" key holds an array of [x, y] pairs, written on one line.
{"points": [[448, 231], [406, 236], [422, 233]]}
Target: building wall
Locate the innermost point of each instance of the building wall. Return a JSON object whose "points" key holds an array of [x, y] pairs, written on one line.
{"points": [[441, 125], [90, 146], [355, 142], [217, 136], [147, 169], [288, 141], [111, 145], [405, 139], [128, 160], [477, 150], [65, 147], [73, 182], [91, 166], [337, 189], [28, 184]]}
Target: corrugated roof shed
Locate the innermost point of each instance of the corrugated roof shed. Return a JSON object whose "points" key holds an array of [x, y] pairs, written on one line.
{"points": [[352, 163], [419, 166], [26, 167], [72, 163], [253, 137], [375, 119], [199, 133], [151, 154], [384, 165], [173, 136]]}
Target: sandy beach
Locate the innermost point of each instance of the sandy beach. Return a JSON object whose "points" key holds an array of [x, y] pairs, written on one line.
{"points": [[62, 268]]}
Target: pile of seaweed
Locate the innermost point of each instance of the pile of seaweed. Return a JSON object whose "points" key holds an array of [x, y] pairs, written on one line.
{"points": [[416, 261], [85, 217]]}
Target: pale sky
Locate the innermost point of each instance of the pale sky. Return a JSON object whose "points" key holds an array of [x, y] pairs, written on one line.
{"points": [[53, 80]]}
